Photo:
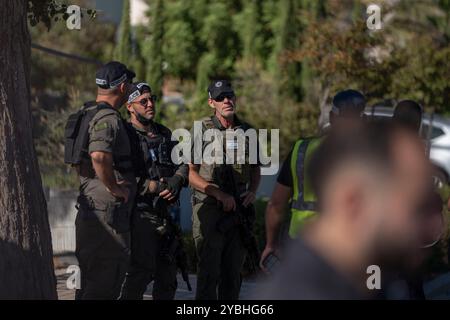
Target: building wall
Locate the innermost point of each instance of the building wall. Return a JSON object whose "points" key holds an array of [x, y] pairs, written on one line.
{"points": [[111, 10]]}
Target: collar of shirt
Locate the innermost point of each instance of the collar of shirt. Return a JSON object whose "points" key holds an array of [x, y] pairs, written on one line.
{"points": [[107, 105], [237, 123], [152, 130]]}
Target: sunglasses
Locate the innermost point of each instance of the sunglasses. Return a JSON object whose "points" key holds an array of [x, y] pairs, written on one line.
{"points": [[222, 97], [143, 102]]}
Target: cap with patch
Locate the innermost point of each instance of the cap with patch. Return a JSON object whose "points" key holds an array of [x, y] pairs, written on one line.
{"points": [[112, 74], [136, 89], [348, 101], [217, 87]]}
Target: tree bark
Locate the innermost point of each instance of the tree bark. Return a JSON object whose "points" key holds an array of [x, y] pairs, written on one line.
{"points": [[26, 265]]}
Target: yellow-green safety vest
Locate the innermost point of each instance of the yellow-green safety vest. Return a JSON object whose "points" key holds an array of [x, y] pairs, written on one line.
{"points": [[303, 205]]}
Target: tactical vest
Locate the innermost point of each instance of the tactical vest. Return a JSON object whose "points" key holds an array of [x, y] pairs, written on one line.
{"points": [[76, 132], [156, 152], [303, 206], [155, 161], [76, 137], [215, 173]]}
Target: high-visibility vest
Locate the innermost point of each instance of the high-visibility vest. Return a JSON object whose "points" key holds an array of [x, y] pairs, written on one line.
{"points": [[303, 206]]}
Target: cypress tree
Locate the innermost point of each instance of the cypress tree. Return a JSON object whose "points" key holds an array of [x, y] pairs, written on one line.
{"points": [[252, 33], [155, 73], [124, 49], [357, 10], [287, 74], [222, 46]]}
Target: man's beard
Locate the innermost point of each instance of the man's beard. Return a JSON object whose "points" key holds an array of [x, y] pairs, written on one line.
{"points": [[143, 120]]}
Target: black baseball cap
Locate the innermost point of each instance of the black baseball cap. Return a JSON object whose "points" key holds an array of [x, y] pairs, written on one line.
{"points": [[112, 74], [136, 89], [348, 101], [217, 87]]}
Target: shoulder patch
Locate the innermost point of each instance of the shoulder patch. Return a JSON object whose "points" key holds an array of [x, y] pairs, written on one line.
{"points": [[101, 126], [105, 115]]}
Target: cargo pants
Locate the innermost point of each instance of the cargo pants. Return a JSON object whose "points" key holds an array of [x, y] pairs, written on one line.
{"points": [[220, 256]]}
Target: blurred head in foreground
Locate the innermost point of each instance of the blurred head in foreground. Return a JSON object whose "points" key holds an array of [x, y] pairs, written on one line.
{"points": [[370, 181]]}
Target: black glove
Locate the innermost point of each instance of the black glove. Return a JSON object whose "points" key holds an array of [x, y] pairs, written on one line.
{"points": [[174, 184]]}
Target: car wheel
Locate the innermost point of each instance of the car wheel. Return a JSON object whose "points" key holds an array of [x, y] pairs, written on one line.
{"points": [[439, 178]]}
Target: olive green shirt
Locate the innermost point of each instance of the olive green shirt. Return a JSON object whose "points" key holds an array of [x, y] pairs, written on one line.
{"points": [[107, 133]]}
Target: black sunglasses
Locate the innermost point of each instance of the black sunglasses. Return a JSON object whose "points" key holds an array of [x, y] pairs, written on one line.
{"points": [[222, 97], [143, 102]]}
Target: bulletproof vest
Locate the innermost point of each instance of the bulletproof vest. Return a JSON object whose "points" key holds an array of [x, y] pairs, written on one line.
{"points": [[76, 132], [216, 173], [156, 152], [137, 154], [76, 138]]}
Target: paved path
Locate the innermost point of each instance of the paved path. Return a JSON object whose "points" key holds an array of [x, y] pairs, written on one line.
{"points": [[182, 292]]}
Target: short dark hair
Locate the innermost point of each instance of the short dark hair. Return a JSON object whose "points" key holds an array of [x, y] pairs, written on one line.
{"points": [[408, 113], [369, 144]]}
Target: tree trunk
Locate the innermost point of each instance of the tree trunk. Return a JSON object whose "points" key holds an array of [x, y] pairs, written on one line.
{"points": [[26, 265]]}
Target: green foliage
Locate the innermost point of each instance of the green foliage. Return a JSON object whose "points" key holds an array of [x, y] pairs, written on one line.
{"points": [[425, 77], [257, 104], [221, 44], [181, 41], [392, 63], [44, 11], [248, 25], [288, 31], [123, 51], [286, 58], [48, 12], [154, 45], [139, 62], [59, 86]]}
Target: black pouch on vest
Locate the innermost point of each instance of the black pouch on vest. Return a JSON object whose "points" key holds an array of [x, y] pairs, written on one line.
{"points": [[72, 145], [118, 216], [76, 133]]}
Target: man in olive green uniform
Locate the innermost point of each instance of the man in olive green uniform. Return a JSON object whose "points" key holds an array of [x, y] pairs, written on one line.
{"points": [[220, 254], [107, 189], [154, 246]]}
